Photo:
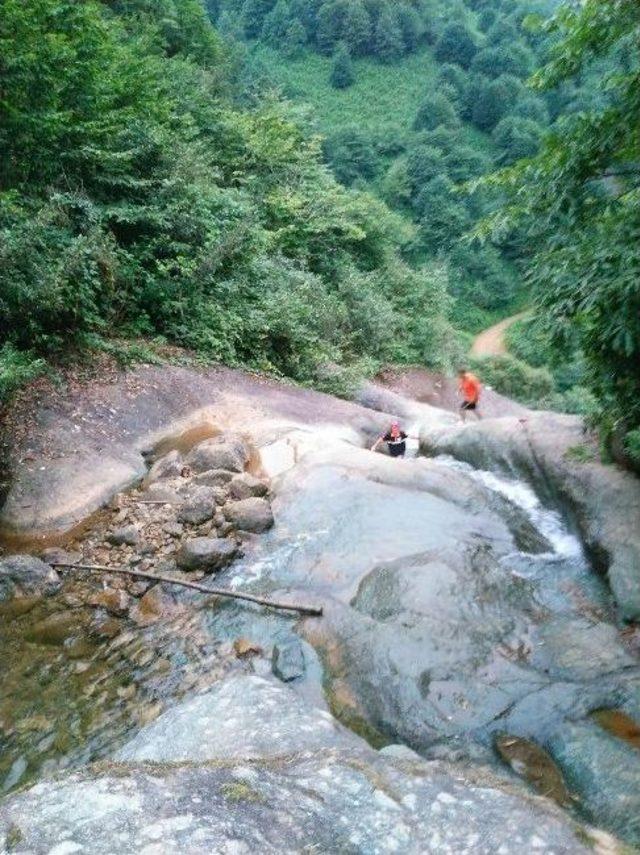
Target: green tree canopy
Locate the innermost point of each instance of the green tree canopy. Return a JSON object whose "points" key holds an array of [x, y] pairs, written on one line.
{"points": [[578, 204], [456, 44], [434, 111], [342, 73]]}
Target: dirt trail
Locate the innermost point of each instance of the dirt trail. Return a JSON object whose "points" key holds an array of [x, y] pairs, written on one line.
{"points": [[491, 341]]}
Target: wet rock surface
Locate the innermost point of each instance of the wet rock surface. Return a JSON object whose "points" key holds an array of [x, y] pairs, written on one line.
{"points": [[206, 553], [326, 789], [605, 772], [245, 718], [25, 575], [454, 616], [603, 500]]}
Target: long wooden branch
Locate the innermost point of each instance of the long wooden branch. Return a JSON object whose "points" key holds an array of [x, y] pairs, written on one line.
{"points": [[217, 592]]}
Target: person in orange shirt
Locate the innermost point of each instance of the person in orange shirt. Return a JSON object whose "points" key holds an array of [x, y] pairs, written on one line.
{"points": [[470, 388]]}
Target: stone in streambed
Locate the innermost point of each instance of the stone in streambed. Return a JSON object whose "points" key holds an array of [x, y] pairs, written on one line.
{"points": [[206, 553], [57, 555], [214, 478], [533, 763], [169, 466], [199, 505], [161, 493], [219, 453], [115, 601], [287, 662], [127, 535], [57, 628], [174, 529], [24, 575], [253, 514], [245, 486]]}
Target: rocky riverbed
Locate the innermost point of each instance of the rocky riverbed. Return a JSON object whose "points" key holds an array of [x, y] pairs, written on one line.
{"points": [[472, 686]]}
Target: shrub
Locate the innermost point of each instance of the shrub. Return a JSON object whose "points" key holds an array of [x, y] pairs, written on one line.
{"points": [[351, 154], [435, 111], [342, 73], [17, 367], [456, 44], [632, 447], [518, 138]]}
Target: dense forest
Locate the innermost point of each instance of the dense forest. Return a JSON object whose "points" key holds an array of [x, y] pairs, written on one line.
{"points": [[317, 187]]}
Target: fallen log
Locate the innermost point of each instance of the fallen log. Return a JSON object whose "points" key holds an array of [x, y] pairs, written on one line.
{"points": [[316, 611]]}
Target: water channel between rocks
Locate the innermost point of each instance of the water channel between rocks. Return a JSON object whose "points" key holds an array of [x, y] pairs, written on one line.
{"points": [[457, 610]]}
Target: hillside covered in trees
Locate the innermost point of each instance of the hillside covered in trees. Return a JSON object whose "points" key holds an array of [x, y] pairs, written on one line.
{"points": [[414, 99], [305, 187], [138, 199]]}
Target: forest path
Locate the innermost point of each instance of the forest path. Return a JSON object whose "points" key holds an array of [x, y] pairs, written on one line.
{"points": [[491, 342]]}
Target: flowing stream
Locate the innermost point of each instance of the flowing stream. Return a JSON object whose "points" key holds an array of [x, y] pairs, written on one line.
{"points": [[439, 632]]}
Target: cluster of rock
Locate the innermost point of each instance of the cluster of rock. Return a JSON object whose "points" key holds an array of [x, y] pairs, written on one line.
{"points": [[189, 518]]}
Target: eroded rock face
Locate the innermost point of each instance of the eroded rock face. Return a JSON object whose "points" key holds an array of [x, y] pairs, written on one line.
{"points": [[24, 575]]}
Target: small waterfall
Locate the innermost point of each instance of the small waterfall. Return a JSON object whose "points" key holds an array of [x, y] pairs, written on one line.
{"points": [[548, 522]]}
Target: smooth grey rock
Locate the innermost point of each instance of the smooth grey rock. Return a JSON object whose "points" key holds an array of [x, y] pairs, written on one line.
{"points": [[243, 718], [331, 801], [219, 453], [253, 514], [169, 466], [245, 485], [287, 661], [205, 553], [199, 505], [604, 772], [24, 575], [579, 649], [124, 535]]}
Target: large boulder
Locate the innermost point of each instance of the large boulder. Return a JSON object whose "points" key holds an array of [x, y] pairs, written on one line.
{"points": [[254, 515], [222, 452], [206, 553], [548, 449], [25, 576]]}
